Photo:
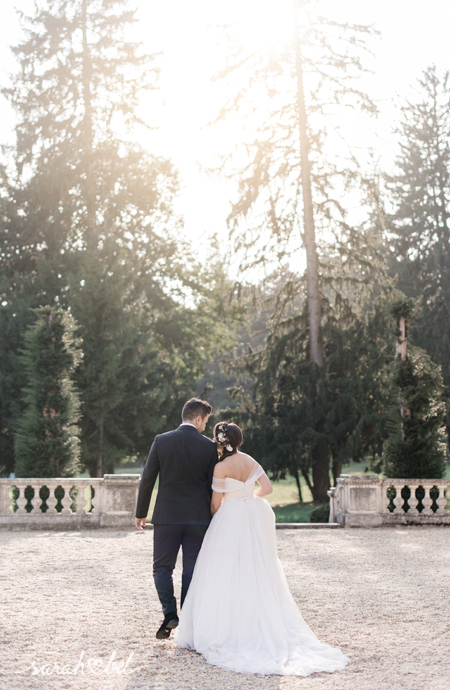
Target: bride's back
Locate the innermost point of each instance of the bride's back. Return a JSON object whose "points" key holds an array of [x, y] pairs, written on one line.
{"points": [[238, 466]]}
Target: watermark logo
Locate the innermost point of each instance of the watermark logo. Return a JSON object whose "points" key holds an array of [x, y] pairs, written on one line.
{"points": [[85, 666]]}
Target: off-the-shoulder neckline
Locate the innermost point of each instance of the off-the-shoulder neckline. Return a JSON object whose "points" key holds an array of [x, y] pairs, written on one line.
{"points": [[240, 480]]}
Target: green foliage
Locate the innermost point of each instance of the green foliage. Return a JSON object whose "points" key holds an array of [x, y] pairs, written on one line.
{"points": [[275, 401], [404, 307], [16, 299], [416, 445], [294, 512], [89, 226], [90, 208], [46, 440], [142, 360], [303, 80], [321, 513], [418, 229], [12, 380]]}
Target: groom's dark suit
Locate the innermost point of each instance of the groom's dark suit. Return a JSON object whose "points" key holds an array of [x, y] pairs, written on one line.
{"points": [[184, 460]]}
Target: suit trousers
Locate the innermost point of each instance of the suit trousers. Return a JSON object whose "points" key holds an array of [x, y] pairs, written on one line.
{"points": [[167, 540]]}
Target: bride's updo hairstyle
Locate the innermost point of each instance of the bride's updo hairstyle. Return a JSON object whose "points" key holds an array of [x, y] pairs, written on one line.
{"points": [[228, 435]]}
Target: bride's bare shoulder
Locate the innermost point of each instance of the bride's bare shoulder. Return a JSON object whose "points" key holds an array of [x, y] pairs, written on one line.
{"points": [[245, 456], [223, 467]]}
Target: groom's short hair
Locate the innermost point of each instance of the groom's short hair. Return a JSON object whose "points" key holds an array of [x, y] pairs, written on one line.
{"points": [[195, 407]]}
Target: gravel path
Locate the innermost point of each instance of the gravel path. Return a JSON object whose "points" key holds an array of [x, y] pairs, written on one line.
{"points": [[382, 596]]}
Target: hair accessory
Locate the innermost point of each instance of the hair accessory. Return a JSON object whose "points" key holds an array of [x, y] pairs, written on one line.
{"points": [[223, 438]]}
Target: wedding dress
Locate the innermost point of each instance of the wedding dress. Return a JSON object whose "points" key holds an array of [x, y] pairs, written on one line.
{"points": [[239, 612]]}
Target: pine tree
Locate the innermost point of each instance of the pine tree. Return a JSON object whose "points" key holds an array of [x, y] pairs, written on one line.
{"points": [[290, 187], [418, 237], [90, 202], [17, 299], [46, 440], [94, 228], [416, 445], [275, 401]]}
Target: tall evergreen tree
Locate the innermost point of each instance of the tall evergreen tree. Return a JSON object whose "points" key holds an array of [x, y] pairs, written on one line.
{"points": [[416, 445], [46, 441], [276, 408], [290, 187], [95, 228], [418, 237]]}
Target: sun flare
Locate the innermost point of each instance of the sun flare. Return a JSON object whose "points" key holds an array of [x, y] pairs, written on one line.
{"points": [[264, 23]]}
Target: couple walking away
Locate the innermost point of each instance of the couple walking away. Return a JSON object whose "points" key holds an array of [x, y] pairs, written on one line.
{"points": [[236, 607]]}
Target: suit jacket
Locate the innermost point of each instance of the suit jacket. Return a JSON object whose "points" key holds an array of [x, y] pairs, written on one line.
{"points": [[184, 460]]}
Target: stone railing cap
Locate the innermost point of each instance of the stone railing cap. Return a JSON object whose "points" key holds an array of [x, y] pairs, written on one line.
{"points": [[51, 479], [389, 480], [121, 476], [361, 478]]}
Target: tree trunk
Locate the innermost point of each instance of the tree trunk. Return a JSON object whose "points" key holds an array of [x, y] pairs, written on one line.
{"points": [[308, 482], [297, 481], [403, 340], [402, 357], [321, 477], [100, 451], [88, 138], [320, 468], [309, 236], [337, 470]]}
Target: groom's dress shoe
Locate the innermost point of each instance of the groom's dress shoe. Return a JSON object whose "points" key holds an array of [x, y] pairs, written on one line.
{"points": [[166, 628]]}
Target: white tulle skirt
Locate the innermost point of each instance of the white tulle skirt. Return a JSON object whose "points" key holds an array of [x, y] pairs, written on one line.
{"points": [[239, 612]]}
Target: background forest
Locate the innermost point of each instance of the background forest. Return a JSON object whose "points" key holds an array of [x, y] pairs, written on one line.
{"points": [[111, 318]]}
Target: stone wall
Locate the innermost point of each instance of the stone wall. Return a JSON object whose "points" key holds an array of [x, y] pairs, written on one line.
{"points": [[368, 501], [86, 504]]}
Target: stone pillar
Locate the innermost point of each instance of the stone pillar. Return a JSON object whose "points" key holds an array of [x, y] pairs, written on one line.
{"points": [[4, 497], [442, 501], [360, 500], [119, 499], [333, 495]]}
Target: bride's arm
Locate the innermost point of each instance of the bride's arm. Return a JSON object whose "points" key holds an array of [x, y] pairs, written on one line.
{"points": [[218, 483], [265, 486], [216, 501]]}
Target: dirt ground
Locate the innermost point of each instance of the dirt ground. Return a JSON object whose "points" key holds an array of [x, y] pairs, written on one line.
{"points": [[381, 596]]}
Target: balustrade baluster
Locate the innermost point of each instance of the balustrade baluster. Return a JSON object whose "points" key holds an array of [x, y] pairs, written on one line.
{"points": [[51, 500], [21, 501], [66, 501], [427, 501], [413, 500], [398, 500], [441, 501], [9, 499], [36, 500], [81, 501]]}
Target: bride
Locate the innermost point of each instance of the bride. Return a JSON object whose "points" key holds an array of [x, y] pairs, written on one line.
{"points": [[239, 612]]}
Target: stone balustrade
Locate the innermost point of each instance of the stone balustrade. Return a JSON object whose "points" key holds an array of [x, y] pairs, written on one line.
{"points": [[368, 501], [78, 504]]}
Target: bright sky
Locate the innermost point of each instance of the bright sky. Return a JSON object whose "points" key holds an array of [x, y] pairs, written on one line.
{"points": [[413, 36]]}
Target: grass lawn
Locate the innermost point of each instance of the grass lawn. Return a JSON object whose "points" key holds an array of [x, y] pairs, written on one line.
{"points": [[293, 512], [284, 499]]}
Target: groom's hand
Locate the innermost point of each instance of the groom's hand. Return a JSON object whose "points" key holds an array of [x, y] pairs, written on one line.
{"points": [[140, 523]]}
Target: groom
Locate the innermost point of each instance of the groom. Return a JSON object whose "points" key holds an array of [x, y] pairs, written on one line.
{"points": [[184, 460]]}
